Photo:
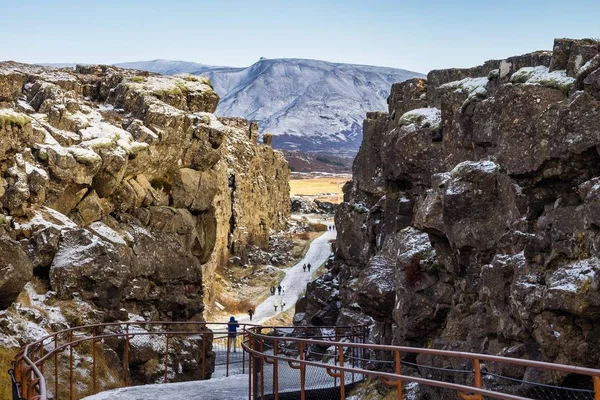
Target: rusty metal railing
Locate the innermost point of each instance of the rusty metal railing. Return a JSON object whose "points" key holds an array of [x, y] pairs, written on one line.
{"points": [[81, 361], [470, 376]]}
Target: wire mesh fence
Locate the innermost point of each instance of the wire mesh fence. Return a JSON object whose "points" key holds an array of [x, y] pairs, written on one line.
{"points": [[414, 373]]}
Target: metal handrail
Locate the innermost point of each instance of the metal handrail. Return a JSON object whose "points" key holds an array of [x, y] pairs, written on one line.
{"points": [[255, 340], [29, 372], [28, 364], [448, 353], [385, 375]]}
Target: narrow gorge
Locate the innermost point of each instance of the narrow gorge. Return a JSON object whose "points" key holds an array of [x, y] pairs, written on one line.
{"points": [[471, 222], [121, 194]]}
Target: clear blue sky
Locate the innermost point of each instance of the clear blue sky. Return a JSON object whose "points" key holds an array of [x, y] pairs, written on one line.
{"points": [[417, 35]]}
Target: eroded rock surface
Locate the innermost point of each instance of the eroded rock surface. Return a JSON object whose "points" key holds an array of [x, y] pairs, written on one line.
{"points": [[123, 189], [471, 222]]}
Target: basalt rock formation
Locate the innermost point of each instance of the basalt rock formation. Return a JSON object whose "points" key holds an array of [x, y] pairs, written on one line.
{"points": [[123, 190], [471, 222]]}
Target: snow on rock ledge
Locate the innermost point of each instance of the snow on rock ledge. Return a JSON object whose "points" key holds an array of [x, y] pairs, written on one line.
{"points": [[540, 75], [421, 118]]}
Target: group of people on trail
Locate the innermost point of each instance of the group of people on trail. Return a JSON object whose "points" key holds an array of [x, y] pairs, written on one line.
{"points": [[306, 266], [332, 227], [280, 304], [279, 289]]}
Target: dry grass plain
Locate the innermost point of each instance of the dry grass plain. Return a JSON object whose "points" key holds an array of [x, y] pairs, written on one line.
{"points": [[324, 188]]}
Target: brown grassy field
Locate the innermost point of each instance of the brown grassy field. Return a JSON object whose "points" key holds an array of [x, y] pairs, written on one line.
{"points": [[317, 186]]}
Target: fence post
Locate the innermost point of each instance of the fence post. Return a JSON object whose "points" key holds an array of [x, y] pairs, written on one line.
{"points": [[71, 366], [227, 354], [24, 377], [262, 370], [302, 373], [249, 368], [399, 388], [275, 370], [42, 352], [55, 366], [243, 352], [204, 355], [94, 388], [364, 350], [477, 368], [166, 373], [126, 356], [342, 374]]}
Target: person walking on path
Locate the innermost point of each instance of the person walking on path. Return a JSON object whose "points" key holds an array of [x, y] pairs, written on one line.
{"points": [[272, 290], [279, 287], [308, 267], [283, 290], [250, 313], [304, 267], [282, 304], [275, 305], [232, 326]]}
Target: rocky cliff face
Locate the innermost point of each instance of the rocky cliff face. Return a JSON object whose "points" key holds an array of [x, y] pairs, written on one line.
{"points": [[123, 190], [472, 221]]}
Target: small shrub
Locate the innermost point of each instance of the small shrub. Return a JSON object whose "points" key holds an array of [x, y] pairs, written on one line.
{"points": [[174, 91], [318, 227], [191, 78], [268, 139], [304, 236], [14, 120], [581, 251], [161, 184], [138, 79]]}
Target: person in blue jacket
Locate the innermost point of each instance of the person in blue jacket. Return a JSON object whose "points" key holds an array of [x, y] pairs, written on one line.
{"points": [[232, 326]]}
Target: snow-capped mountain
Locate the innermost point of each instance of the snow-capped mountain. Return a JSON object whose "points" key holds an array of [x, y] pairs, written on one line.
{"points": [[308, 105]]}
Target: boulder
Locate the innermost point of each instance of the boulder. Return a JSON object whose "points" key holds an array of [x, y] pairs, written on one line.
{"points": [[15, 271]]}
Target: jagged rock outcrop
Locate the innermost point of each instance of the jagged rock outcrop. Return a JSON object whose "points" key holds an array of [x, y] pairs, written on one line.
{"points": [[303, 205], [123, 189], [471, 222]]}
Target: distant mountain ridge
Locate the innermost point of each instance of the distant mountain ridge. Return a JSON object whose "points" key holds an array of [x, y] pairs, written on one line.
{"points": [[308, 105]]}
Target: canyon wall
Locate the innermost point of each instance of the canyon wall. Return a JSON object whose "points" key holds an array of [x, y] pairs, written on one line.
{"points": [[123, 191], [472, 222]]}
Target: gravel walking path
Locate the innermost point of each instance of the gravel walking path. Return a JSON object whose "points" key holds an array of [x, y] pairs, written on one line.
{"points": [[235, 386]]}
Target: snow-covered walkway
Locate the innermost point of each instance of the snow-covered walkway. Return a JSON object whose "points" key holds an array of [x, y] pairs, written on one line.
{"points": [[233, 388]]}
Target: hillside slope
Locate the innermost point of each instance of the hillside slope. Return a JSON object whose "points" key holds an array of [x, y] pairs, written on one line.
{"points": [[308, 105]]}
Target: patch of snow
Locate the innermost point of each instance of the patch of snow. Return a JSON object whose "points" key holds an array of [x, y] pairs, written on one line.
{"points": [[105, 107], [488, 167], [107, 233], [540, 75], [574, 277], [421, 118], [474, 88], [23, 104], [46, 217]]}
